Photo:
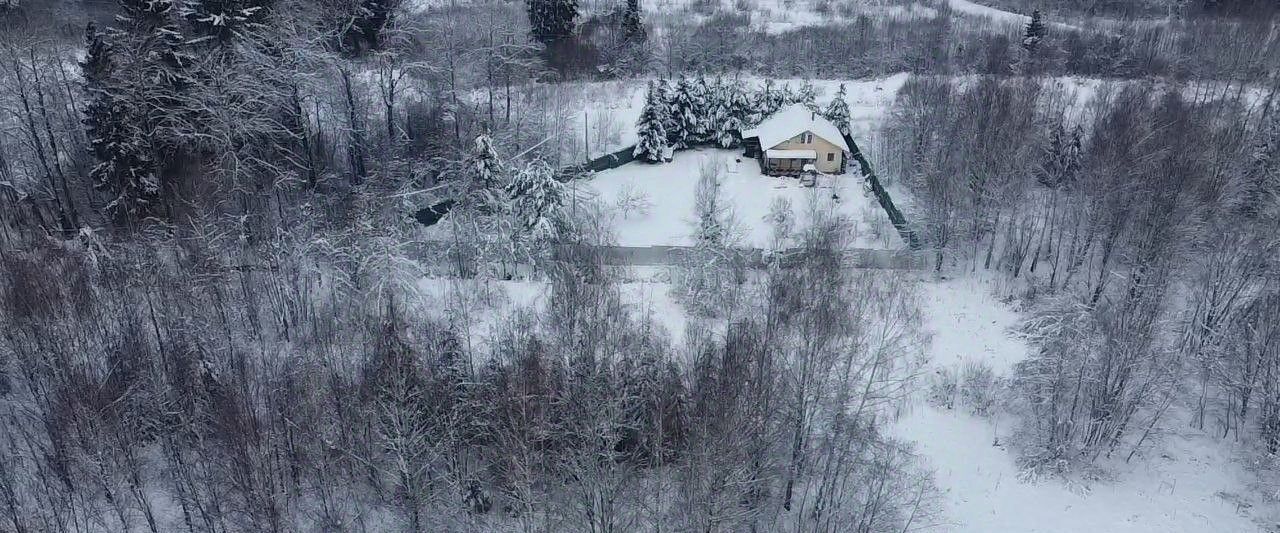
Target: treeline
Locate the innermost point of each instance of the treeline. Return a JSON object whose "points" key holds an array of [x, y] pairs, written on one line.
{"points": [[187, 386], [946, 42], [700, 111], [1139, 223]]}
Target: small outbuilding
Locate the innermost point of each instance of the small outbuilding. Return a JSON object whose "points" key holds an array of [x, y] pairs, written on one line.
{"points": [[794, 137]]}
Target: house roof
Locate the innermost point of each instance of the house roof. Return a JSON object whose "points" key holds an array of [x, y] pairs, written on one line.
{"points": [[791, 154], [791, 121]]}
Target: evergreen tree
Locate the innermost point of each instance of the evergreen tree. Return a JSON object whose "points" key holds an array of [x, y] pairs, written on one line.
{"points": [[702, 108], [552, 22], [538, 201], [1034, 33], [768, 101], [223, 19], [807, 95], [743, 107], [632, 27], [838, 111], [125, 168], [651, 145], [137, 78], [729, 118], [484, 173], [684, 114], [666, 98], [376, 17]]}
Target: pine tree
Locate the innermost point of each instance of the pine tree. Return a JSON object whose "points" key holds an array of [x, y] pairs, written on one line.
{"points": [[632, 27], [137, 78], [1034, 33], [768, 101], [376, 17], [551, 21], [702, 108], [807, 95], [484, 173], [838, 111], [729, 118], [684, 114], [538, 201], [223, 19], [125, 168], [651, 144], [666, 98]]}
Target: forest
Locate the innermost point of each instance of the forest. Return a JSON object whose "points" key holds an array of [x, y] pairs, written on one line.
{"points": [[214, 313]]}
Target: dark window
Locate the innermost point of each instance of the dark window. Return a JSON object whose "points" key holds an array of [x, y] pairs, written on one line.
{"points": [[831, 156]]}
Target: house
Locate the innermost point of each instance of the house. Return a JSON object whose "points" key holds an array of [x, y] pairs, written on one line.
{"points": [[795, 137]]}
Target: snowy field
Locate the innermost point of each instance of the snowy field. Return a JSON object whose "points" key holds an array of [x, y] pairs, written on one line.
{"points": [[1182, 487], [668, 190]]}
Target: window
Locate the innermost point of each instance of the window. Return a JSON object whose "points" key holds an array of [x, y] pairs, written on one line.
{"points": [[807, 137], [831, 156]]}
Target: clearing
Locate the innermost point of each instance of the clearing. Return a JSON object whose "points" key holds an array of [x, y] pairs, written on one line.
{"points": [[654, 203]]}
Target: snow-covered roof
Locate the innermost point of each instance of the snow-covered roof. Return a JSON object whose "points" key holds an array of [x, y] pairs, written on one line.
{"points": [[791, 121], [791, 154]]}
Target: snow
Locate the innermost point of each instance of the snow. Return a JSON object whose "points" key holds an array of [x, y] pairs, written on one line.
{"points": [[1176, 490], [669, 191], [791, 121], [480, 307], [999, 15]]}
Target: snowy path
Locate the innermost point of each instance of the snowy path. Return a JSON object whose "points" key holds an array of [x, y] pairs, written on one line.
{"points": [[1173, 491]]}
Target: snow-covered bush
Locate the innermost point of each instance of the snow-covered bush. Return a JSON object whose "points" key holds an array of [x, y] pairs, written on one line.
{"points": [[782, 220], [978, 388], [942, 388], [632, 200]]}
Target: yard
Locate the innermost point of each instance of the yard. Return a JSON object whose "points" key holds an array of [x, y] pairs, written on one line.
{"points": [[654, 204]]}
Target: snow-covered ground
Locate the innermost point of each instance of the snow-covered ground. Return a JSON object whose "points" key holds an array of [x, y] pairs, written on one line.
{"points": [[668, 190], [1175, 490], [1183, 486]]}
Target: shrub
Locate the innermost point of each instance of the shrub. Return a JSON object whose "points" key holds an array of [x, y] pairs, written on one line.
{"points": [[978, 386], [942, 388]]}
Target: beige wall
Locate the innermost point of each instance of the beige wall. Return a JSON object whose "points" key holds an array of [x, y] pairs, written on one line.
{"points": [[819, 145]]}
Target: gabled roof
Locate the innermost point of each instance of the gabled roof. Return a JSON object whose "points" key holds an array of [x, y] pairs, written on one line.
{"points": [[791, 121]]}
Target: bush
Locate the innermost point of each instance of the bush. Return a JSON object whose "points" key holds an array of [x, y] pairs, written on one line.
{"points": [[978, 386], [942, 388]]}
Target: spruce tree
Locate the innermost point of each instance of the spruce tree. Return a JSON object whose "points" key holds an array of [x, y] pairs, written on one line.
{"points": [[125, 168], [729, 116], [484, 173], [632, 27], [223, 19], [651, 142], [551, 21], [702, 108], [684, 114], [807, 95], [838, 111], [538, 201], [1034, 33]]}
